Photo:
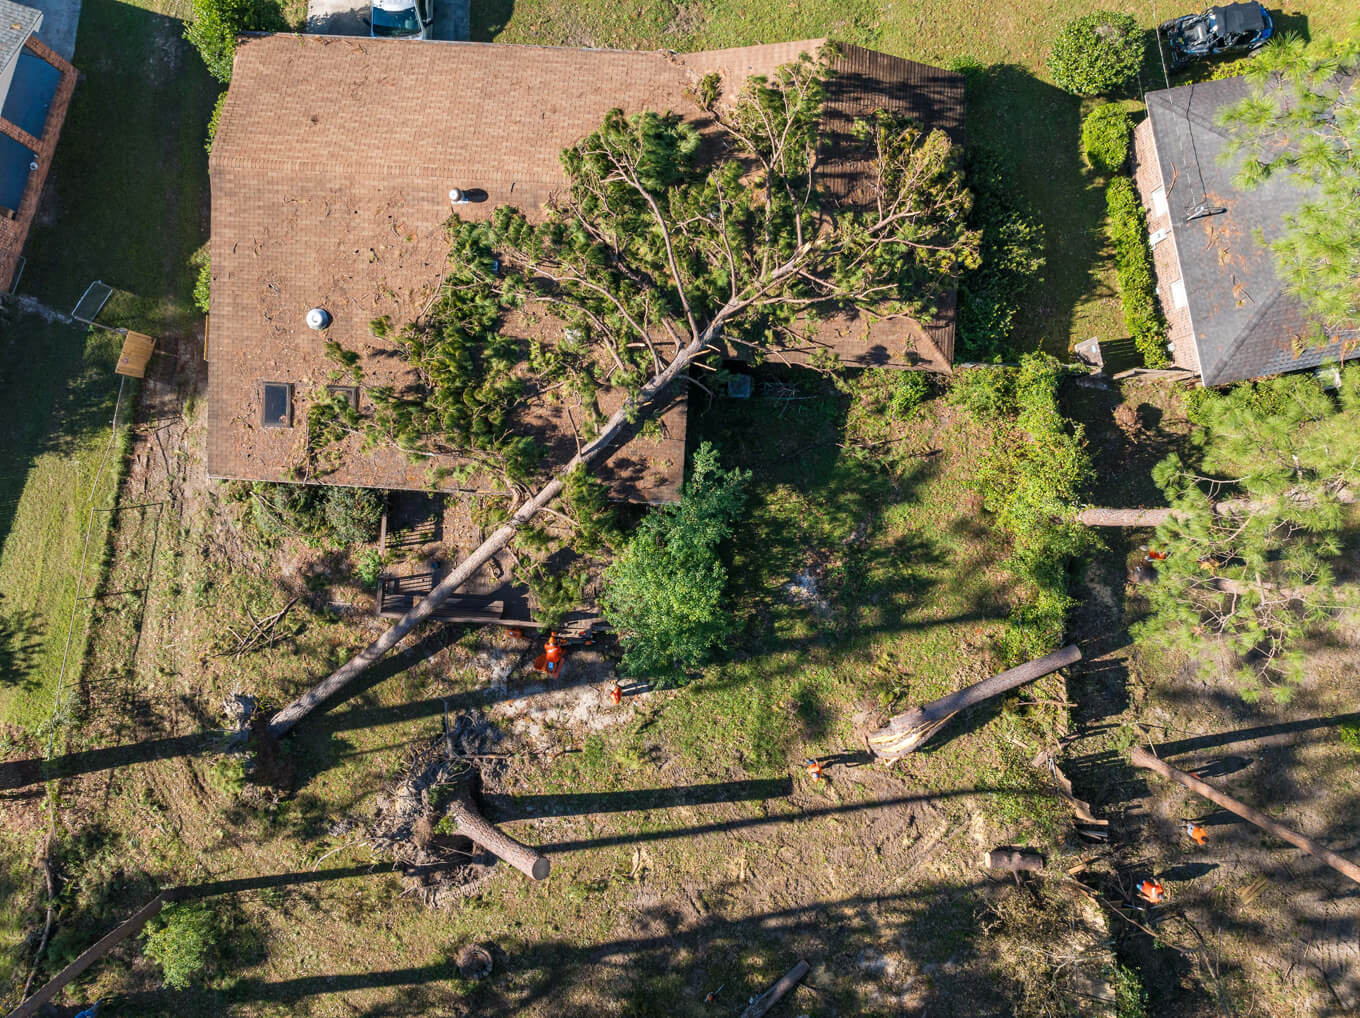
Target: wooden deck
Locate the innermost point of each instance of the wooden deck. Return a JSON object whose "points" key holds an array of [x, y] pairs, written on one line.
{"points": [[399, 594]]}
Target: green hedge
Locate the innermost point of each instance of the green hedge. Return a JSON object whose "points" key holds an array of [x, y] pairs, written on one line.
{"points": [[1105, 137], [1127, 225]]}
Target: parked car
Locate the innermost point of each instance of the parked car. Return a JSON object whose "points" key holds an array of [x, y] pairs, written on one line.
{"points": [[1224, 29], [401, 19]]}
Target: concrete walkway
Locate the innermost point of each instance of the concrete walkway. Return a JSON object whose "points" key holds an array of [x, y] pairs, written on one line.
{"points": [[346, 17], [60, 18]]}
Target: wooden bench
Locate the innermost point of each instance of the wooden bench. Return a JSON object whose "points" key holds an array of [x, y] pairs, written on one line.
{"points": [[399, 594]]}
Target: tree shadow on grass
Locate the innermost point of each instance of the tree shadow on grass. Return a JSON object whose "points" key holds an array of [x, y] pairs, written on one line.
{"points": [[670, 960], [1035, 129], [21, 637]]}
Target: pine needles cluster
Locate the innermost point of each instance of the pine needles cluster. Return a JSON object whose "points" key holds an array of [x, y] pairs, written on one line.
{"points": [[1258, 528]]}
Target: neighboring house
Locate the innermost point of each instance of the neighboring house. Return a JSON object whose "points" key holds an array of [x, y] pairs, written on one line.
{"points": [[331, 172], [1229, 316], [35, 90]]}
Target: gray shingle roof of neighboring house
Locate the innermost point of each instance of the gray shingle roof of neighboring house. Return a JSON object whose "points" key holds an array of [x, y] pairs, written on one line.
{"points": [[17, 23], [1244, 323]]}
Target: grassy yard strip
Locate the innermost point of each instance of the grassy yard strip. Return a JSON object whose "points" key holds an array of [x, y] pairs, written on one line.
{"points": [[61, 464], [128, 198]]}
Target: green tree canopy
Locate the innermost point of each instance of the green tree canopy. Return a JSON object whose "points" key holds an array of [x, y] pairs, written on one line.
{"points": [[1257, 527], [1301, 120], [661, 247], [665, 593]]}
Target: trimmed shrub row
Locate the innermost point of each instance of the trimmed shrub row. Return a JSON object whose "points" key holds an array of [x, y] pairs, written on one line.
{"points": [[1127, 225]]}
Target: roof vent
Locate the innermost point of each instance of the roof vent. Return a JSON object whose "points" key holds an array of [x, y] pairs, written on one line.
{"points": [[318, 319], [458, 196]]}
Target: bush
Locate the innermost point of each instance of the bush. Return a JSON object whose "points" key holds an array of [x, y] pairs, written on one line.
{"points": [[203, 285], [1011, 252], [909, 390], [1031, 478], [1096, 53], [1127, 226], [325, 516], [1105, 138], [216, 24], [665, 592], [214, 121], [984, 393], [183, 941]]}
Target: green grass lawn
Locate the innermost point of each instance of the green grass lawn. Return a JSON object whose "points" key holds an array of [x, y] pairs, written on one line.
{"points": [[127, 203], [56, 405], [128, 198]]}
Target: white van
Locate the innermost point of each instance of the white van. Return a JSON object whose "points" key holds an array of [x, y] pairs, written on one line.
{"points": [[401, 19]]}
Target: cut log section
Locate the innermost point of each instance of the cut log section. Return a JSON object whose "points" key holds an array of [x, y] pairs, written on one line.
{"points": [[1099, 516], [470, 823], [907, 732], [772, 996], [1015, 860], [1142, 758]]}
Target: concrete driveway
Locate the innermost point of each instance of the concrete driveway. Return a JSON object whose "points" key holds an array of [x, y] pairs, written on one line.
{"points": [[347, 17]]}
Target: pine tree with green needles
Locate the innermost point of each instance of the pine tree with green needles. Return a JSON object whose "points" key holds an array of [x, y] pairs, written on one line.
{"points": [[1257, 528], [1301, 120], [663, 251]]}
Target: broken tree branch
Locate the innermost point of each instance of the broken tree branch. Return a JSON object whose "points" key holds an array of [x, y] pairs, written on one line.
{"points": [[772, 996], [1142, 758], [907, 732]]}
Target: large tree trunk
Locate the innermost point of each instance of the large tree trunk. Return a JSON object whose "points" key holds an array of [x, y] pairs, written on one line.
{"points": [[907, 732], [1142, 758], [1099, 516], [284, 720], [1103, 516], [473, 825]]}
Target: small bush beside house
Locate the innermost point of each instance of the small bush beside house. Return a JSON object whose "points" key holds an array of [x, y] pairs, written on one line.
{"points": [[1105, 138], [1127, 225], [1096, 54], [665, 592]]}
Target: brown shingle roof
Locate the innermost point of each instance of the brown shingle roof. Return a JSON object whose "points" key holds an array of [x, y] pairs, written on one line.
{"points": [[330, 174]]}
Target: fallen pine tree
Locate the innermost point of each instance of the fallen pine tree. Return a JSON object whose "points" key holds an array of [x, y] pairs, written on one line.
{"points": [[1142, 758], [658, 251], [907, 732]]}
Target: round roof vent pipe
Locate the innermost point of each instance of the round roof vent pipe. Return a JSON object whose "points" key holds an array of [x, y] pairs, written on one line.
{"points": [[318, 319], [458, 196]]}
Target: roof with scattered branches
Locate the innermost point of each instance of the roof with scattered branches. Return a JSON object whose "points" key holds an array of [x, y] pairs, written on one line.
{"points": [[331, 172], [1244, 323]]}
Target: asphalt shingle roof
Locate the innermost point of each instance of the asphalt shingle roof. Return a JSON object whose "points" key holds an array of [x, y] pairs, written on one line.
{"points": [[17, 23], [1245, 325], [330, 176]]}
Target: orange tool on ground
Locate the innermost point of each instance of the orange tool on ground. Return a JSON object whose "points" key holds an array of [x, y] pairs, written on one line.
{"points": [[550, 661], [616, 694], [1195, 832], [814, 769], [1152, 891]]}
